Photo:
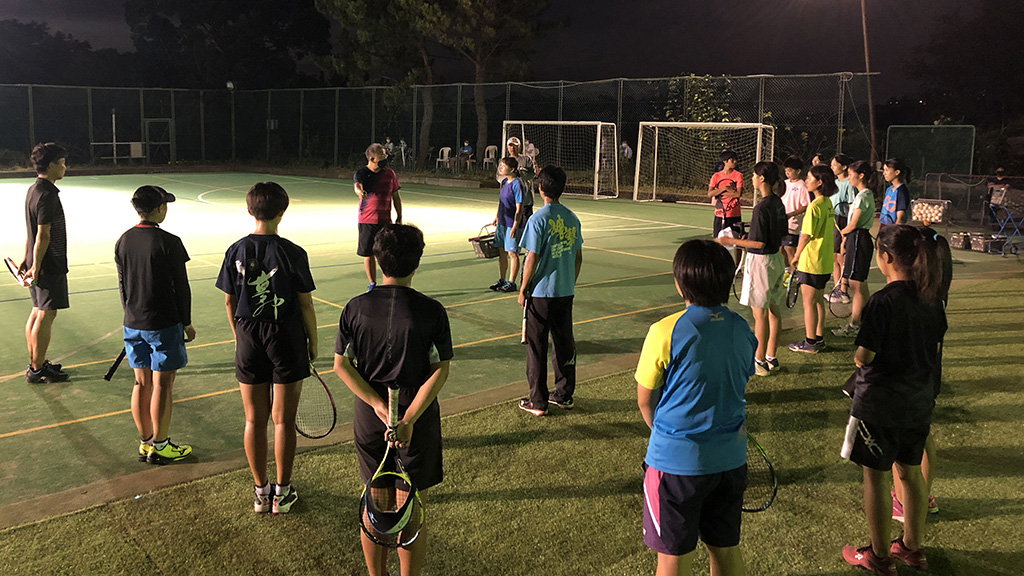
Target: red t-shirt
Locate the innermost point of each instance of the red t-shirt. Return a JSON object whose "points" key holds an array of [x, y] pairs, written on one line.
{"points": [[378, 188], [727, 207]]}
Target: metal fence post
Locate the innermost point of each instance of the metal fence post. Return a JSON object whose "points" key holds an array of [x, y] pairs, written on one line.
{"points": [[31, 120], [508, 101], [618, 111], [202, 126], [269, 93], [760, 107], [142, 115], [839, 125], [233, 155], [174, 131], [337, 113], [373, 114], [92, 136], [302, 109]]}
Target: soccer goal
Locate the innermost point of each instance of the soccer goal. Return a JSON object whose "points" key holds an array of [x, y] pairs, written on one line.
{"points": [[675, 160], [585, 150]]}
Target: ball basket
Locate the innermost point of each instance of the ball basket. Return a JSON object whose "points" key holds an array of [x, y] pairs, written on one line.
{"points": [[483, 245]]}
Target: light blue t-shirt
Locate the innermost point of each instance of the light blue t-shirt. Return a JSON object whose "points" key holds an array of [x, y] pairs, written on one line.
{"points": [[554, 234], [841, 200], [701, 359]]}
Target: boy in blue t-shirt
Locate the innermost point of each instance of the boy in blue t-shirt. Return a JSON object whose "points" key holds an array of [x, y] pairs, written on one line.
{"points": [[553, 244], [691, 378]]}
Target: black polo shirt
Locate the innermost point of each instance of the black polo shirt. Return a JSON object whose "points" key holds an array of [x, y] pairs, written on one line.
{"points": [[151, 276], [43, 207], [768, 224]]}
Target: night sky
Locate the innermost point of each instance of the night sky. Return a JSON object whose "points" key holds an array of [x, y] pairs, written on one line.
{"points": [[654, 38]]}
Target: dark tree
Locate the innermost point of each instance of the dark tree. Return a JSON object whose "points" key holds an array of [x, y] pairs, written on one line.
{"points": [[31, 54]]}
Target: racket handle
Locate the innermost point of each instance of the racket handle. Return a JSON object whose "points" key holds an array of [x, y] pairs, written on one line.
{"points": [[113, 367], [522, 339], [392, 408]]}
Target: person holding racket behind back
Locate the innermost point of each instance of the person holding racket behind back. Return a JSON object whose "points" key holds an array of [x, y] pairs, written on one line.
{"points": [[268, 297], [157, 303], [898, 360], [553, 241], [394, 336], [46, 260], [691, 378]]}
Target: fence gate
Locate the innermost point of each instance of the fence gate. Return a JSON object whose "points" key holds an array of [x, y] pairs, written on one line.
{"points": [[159, 135]]}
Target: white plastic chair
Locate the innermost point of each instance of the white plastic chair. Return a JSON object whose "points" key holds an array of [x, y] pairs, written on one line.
{"points": [[491, 156], [444, 157]]}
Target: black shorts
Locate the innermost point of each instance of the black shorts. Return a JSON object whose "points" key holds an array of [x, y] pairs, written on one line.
{"points": [[268, 352], [679, 509], [734, 222], [860, 249], [421, 458], [367, 232], [791, 240], [50, 292], [816, 281], [877, 447], [837, 237]]}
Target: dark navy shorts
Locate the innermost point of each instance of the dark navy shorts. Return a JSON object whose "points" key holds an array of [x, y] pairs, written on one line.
{"points": [[268, 352], [680, 509], [878, 447], [50, 292]]}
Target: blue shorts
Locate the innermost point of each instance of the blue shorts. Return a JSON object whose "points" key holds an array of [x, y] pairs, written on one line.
{"points": [[159, 350], [502, 240]]}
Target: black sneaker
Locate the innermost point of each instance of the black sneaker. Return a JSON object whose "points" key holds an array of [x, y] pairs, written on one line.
{"points": [[497, 286], [57, 367], [508, 287], [563, 404], [45, 375]]}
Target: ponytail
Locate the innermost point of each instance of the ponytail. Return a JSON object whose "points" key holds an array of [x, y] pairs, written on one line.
{"points": [[945, 258], [770, 172], [917, 256], [868, 174]]}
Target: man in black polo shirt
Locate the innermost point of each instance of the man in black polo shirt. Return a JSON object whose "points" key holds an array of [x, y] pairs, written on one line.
{"points": [[157, 305], [46, 260]]}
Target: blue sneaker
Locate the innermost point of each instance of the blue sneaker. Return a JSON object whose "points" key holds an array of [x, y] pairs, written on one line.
{"points": [[371, 286], [804, 346]]}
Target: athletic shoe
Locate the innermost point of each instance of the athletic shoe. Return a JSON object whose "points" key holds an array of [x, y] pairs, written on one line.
{"points": [[56, 367], [144, 450], [838, 296], [848, 330], [804, 346], [508, 287], [913, 558], [261, 502], [761, 368], [525, 404], [819, 344], [563, 404], [933, 505], [897, 507], [170, 453], [282, 504], [865, 558], [371, 286], [773, 363], [46, 374], [496, 287]]}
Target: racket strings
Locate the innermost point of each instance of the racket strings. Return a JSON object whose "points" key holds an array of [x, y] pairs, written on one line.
{"points": [[391, 499]]}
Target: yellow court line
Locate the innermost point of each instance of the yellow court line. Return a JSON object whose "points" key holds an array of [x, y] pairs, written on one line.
{"points": [[322, 301], [218, 393]]}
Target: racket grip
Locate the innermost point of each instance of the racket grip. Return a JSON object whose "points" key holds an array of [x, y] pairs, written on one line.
{"points": [[392, 407], [113, 367]]}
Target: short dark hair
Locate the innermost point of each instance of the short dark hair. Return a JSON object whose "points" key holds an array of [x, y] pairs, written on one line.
{"points": [[266, 200], [843, 159], [828, 179], [793, 163], [45, 154], [728, 155], [704, 270], [398, 249], [551, 182]]}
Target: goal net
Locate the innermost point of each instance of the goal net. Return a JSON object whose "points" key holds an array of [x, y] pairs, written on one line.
{"points": [[585, 150], [675, 160]]}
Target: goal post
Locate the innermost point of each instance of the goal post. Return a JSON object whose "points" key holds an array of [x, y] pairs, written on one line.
{"points": [[586, 150], [675, 160]]}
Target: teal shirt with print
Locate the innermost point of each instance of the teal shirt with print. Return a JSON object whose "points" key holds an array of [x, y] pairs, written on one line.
{"points": [[554, 234], [865, 202], [842, 198]]}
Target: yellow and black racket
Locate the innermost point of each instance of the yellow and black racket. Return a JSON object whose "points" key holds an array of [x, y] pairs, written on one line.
{"points": [[390, 509]]}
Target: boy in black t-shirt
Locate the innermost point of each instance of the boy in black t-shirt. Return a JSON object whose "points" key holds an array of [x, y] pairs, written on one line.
{"points": [[157, 305], [46, 260], [268, 296], [396, 336]]}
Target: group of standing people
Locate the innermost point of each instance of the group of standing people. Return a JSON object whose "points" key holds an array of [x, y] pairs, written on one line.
{"points": [[692, 395]]}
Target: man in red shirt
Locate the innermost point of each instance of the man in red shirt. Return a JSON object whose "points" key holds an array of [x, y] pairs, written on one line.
{"points": [[377, 187]]}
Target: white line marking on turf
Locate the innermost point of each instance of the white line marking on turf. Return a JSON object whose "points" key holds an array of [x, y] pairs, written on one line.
{"points": [[94, 342]]}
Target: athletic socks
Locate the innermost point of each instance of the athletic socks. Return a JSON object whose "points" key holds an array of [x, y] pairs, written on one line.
{"points": [[283, 489], [162, 444], [265, 490], [147, 440]]}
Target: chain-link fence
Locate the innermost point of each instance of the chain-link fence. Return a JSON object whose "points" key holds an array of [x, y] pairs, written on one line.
{"points": [[333, 126]]}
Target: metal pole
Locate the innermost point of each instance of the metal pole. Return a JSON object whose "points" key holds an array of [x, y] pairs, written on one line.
{"points": [[302, 104], [92, 138], [113, 132], [373, 114], [31, 120], [269, 93], [458, 117], [867, 68], [202, 127], [618, 121], [337, 100], [173, 135], [233, 150], [842, 101]]}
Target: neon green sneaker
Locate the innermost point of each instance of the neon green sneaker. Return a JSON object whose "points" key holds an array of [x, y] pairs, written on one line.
{"points": [[170, 453], [144, 450]]}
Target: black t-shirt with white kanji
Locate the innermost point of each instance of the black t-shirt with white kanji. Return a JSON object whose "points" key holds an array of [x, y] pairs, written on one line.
{"points": [[43, 207], [768, 224], [393, 334], [898, 388], [266, 273]]}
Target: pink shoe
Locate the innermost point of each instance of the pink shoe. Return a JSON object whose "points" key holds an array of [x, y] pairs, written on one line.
{"points": [[865, 558], [913, 558], [897, 507]]}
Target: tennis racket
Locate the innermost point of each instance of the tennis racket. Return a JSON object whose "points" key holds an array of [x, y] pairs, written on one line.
{"points": [[113, 367], [761, 482], [316, 414], [792, 291], [526, 304], [840, 303], [390, 510], [19, 277]]}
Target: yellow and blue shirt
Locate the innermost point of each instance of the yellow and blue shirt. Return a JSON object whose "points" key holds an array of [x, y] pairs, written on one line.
{"points": [[701, 359]]}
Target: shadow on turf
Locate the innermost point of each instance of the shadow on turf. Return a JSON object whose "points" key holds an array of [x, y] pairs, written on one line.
{"points": [[591, 491], [981, 462]]}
